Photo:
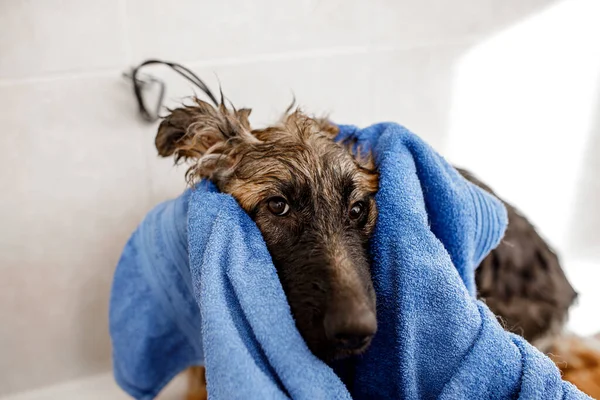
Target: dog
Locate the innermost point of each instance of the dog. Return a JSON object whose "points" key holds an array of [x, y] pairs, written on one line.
{"points": [[522, 281], [578, 359], [312, 198]]}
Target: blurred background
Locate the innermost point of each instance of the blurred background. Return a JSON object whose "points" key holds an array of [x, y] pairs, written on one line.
{"points": [[507, 88]]}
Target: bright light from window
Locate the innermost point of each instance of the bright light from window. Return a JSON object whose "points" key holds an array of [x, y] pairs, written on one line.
{"points": [[522, 108], [521, 115]]}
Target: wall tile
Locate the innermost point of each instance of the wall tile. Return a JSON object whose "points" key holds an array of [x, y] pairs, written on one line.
{"points": [[75, 173], [412, 23], [187, 30], [97, 387], [584, 225], [414, 88], [49, 36]]}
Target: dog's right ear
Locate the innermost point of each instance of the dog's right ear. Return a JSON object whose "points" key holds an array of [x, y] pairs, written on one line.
{"points": [[207, 135]]}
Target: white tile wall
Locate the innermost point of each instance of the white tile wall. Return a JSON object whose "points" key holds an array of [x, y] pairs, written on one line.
{"points": [[97, 387], [414, 87], [79, 169], [74, 187], [584, 224], [41, 37], [409, 23], [189, 30]]}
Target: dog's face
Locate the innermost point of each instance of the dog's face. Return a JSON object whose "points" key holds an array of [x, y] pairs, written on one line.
{"points": [[313, 202]]}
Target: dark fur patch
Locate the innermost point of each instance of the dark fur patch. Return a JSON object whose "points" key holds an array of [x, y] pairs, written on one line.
{"points": [[522, 281]]}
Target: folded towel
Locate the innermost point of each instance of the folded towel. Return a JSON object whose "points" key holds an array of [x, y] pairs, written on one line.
{"points": [[196, 285]]}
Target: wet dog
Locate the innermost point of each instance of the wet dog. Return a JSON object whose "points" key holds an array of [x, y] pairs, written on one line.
{"points": [[313, 200]]}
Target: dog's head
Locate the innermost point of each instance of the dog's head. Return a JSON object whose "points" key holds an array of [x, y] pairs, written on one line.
{"points": [[311, 198]]}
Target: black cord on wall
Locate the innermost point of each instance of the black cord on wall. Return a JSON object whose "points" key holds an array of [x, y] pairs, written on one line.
{"points": [[140, 82]]}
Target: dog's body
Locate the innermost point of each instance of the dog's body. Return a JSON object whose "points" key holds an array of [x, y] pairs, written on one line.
{"points": [[196, 389], [313, 200], [522, 281], [578, 359]]}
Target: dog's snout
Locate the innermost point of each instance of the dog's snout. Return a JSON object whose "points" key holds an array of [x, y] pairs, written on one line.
{"points": [[350, 328]]}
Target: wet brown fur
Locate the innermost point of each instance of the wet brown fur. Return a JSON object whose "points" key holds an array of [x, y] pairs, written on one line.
{"points": [[578, 359], [196, 389]]}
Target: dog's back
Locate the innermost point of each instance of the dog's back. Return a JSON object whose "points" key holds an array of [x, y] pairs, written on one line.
{"points": [[522, 280]]}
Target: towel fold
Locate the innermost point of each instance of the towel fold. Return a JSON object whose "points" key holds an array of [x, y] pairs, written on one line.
{"points": [[196, 285]]}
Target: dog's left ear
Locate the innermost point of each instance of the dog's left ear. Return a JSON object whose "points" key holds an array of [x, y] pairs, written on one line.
{"points": [[189, 131], [211, 137]]}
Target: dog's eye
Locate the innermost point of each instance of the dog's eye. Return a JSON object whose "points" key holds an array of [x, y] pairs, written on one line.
{"points": [[278, 206], [357, 210]]}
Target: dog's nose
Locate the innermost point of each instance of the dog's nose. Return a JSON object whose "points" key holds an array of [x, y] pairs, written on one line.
{"points": [[350, 329]]}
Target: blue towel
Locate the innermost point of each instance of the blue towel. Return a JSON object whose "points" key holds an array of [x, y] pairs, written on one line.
{"points": [[196, 285]]}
